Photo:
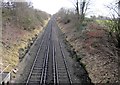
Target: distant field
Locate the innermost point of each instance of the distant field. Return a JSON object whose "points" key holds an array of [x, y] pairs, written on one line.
{"points": [[103, 21], [111, 25]]}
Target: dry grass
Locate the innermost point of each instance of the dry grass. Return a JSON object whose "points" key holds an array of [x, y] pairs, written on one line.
{"points": [[10, 49], [96, 51], [20, 27]]}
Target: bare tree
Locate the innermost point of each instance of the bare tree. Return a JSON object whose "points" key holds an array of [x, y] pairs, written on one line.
{"points": [[114, 26], [77, 9], [119, 12], [81, 7], [84, 6], [119, 22]]}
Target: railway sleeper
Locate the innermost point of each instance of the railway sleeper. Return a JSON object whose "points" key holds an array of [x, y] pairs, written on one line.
{"points": [[38, 65], [35, 74], [63, 81], [37, 68], [62, 73], [35, 78], [61, 67], [63, 77], [38, 61], [34, 82]]}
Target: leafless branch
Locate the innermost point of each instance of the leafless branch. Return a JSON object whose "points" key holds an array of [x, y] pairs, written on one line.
{"points": [[111, 8], [74, 3], [87, 5]]}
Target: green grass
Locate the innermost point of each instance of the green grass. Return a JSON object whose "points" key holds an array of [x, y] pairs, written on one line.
{"points": [[103, 21], [110, 24]]}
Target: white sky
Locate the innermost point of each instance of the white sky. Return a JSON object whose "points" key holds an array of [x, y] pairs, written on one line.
{"points": [[52, 6]]}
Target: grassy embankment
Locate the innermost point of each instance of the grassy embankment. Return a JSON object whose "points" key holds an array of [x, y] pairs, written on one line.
{"points": [[20, 28], [94, 46]]}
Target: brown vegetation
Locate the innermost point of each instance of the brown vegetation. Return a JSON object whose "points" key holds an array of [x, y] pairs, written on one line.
{"points": [[94, 47], [21, 25]]}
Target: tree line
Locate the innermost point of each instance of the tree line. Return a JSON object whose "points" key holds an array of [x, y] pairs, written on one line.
{"points": [[22, 14], [78, 15]]}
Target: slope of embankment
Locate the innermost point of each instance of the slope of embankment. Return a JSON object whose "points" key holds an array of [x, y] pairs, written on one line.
{"points": [[20, 27], [94, 48]]}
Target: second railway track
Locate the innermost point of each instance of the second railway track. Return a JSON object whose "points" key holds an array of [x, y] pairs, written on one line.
{"points": [[48, 68]]}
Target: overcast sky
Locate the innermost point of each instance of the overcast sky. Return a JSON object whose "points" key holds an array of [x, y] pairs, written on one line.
{"points": [[52, 6]]}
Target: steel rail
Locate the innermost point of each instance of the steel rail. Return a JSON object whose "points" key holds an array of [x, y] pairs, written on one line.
{"points": [[54, 67], [43, 79], [45, 64], [41, 43], [65, 63]]}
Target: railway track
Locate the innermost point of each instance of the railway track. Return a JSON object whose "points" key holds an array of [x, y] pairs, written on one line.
{"points": [[48, 68]]}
